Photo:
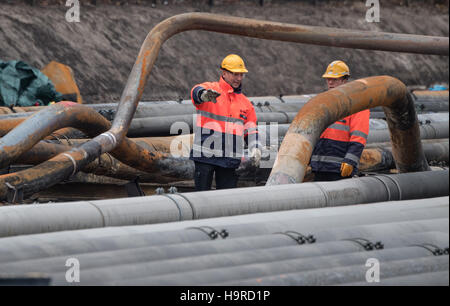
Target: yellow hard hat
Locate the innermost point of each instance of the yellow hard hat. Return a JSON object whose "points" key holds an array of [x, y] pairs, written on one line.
{"points": [[234, 63], [336, 70]]}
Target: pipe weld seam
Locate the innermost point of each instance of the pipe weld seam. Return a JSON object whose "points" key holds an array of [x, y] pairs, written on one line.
{"points": [[110, 136], [177, 205], [100, 211], [194, 212], [286, 115], [400, 197], [385, 186], [73, 162], [327, 200]]}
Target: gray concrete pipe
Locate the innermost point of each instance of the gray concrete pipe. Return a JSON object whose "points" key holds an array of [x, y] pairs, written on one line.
{"points": [[386, 212], [168, 125], [348, 274], [246, 234], [248, 237], [435, 130], [393, 211], [235, 274], [421, 279], [17, 220], [217, 263], [110, 239], [165, 259]]}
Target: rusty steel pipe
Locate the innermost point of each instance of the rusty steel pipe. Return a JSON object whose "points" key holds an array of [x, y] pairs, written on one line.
{"points": [[328, 107], [6, 125], [54, 117], [105, 164]]}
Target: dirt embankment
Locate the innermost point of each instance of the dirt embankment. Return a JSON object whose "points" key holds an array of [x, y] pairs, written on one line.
{"points": [[102, 48]]}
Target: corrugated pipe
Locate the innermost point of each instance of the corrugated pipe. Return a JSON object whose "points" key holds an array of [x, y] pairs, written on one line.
{"points": [[62, 166], [135, 263], [378, 130], [17, 220], [328, 107]]}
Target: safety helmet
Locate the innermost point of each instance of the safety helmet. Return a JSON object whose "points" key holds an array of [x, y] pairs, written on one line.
{"points": [[234, 63], [336, 70]]}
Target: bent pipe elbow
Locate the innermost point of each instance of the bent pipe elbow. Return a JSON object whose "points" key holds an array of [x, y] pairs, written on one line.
{"points": [[328, 107]]}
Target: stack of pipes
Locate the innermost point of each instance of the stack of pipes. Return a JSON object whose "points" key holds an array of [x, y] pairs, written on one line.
{"points": [[407, 240]]}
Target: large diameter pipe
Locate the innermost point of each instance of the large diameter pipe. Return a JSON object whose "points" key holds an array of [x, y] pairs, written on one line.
{"points": [[164, 259], [268, 269], [199, 205], [436, 130], [131, 264], [188, 240], [379, 131], [63, 166], [261, 231], [374, 157], [328, 107], [213, 268]]}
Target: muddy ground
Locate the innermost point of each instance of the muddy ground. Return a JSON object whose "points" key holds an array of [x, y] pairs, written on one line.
{"points": [[102, 47]]}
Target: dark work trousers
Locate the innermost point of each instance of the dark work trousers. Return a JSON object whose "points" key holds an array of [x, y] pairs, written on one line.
{"points": [[225, 177], [328, 176]]}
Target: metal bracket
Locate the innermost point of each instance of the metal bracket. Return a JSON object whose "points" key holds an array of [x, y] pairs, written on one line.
{"points": [[298, 237], [213, 233], [14, 195], [367, 244], [434, 249]]}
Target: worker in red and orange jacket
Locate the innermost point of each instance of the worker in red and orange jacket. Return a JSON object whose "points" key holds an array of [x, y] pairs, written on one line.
{"points": [[338, 151], [225, 120]]}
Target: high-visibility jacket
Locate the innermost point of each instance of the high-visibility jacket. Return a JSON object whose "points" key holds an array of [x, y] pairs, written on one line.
{"points": [[221, 128], [341, 142]]}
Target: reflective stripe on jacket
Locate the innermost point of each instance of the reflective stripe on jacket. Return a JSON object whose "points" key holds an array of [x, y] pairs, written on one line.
{"points": [[343, 141], [221, 127]]}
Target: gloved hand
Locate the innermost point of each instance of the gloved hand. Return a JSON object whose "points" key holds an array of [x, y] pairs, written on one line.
{"points": [[209, 95], [346, 169], [255, 156]]}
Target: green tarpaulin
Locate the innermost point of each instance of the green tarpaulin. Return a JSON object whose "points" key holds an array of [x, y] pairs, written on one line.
{"points": [[23, 85]]}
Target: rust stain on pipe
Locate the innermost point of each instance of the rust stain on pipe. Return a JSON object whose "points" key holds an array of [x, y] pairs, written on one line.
{"points": [[328, 107]]}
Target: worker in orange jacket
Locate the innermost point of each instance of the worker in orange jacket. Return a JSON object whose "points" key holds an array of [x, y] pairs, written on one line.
{"points": [[225, 120], [338, 151]]}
